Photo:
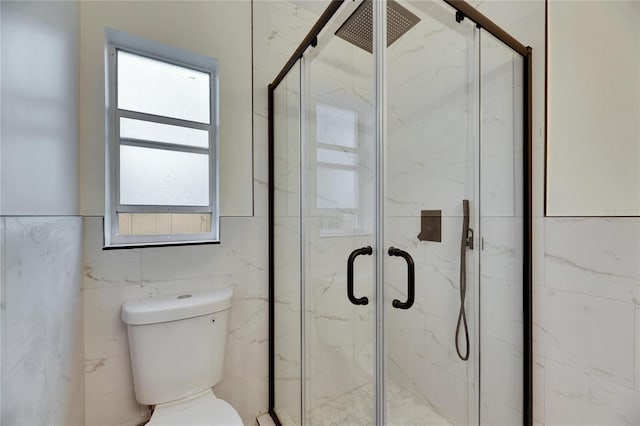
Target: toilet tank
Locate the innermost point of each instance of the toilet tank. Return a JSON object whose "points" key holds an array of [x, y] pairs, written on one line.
{"points": [[177, 344]]}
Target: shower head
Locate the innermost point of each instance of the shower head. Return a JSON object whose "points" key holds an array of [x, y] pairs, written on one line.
{"points": [[358, 28]]}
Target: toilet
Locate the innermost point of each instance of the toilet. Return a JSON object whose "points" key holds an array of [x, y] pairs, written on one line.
{"points": [[177, 350]]}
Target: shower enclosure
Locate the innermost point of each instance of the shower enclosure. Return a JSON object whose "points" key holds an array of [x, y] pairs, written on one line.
{"points": [[400, 220]]}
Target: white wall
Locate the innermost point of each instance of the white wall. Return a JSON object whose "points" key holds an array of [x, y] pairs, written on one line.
{"points": [[594, 108], [218, 29], [39, 154], [40, 238]]}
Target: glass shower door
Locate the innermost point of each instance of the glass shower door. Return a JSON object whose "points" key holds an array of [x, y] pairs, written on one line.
{"points": [[430, 211], [287, 236], [502, 216], [337, 214], [400, 254]]}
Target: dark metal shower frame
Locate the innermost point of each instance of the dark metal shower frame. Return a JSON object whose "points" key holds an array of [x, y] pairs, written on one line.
{"points": [[463, 10]]}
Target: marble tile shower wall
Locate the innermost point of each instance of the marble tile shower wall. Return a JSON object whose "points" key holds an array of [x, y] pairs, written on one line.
{"points": [[42, 344]]}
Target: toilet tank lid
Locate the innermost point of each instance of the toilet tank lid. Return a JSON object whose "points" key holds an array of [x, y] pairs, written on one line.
{"points": [[177, 307]]}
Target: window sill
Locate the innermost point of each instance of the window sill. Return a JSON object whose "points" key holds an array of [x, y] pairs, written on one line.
{"points": [[159, 244]]}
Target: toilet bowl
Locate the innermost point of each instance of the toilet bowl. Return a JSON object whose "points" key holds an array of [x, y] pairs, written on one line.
{"points": [[177, 348], [202, 409]]}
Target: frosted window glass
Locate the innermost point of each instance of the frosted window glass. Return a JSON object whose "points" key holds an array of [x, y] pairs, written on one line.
{"points": [[162, 177], [336, 126], [158, 132], [337, 189], [337, 157], [156, 87]]}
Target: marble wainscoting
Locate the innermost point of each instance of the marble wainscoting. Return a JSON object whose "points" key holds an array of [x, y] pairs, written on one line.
{"points": [[587, 323], [42, 346], [113, 276]]}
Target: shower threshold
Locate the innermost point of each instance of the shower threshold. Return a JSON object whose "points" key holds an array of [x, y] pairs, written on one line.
{"points": [[354, 409]]}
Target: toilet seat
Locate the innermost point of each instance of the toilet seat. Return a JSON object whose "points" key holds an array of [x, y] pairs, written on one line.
{"points": [[202, 409]]}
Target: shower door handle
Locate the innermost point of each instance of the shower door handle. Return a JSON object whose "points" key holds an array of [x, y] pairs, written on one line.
{"points": [[411, 279], [352, 257]]}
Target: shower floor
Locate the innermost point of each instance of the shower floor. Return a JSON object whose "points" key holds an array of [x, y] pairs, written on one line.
{"points": [[354, 408]]}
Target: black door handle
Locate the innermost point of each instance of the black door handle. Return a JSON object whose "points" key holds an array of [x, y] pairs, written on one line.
{"points": [[352, 257], [411, 279]]}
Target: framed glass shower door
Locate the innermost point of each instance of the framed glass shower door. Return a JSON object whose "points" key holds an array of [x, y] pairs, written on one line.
{"points": [[338, 172], [286, 267], [400, 196], [430, 207]]}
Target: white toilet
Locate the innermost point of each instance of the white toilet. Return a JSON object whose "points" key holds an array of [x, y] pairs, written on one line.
{"points": [[177, 350]]}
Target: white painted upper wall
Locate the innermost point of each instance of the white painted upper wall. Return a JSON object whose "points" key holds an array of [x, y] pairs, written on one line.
{"points": [[218, 29], [39, 97], [593, 144]]}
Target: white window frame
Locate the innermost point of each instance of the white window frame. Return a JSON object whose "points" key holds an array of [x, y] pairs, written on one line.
{"points": [[117, 40]]}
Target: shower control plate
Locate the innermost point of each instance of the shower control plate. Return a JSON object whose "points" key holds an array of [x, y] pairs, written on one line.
{"points": [[430, 225]]}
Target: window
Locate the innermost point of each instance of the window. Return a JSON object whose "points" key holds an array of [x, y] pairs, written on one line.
{"points": [[337, 156], [162, 131]]}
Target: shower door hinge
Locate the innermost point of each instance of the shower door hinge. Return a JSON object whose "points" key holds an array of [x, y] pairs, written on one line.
{"points": [[469, 242]]}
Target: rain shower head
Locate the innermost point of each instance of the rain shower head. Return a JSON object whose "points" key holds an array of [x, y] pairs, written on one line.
{"points": [[358, 28]]}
